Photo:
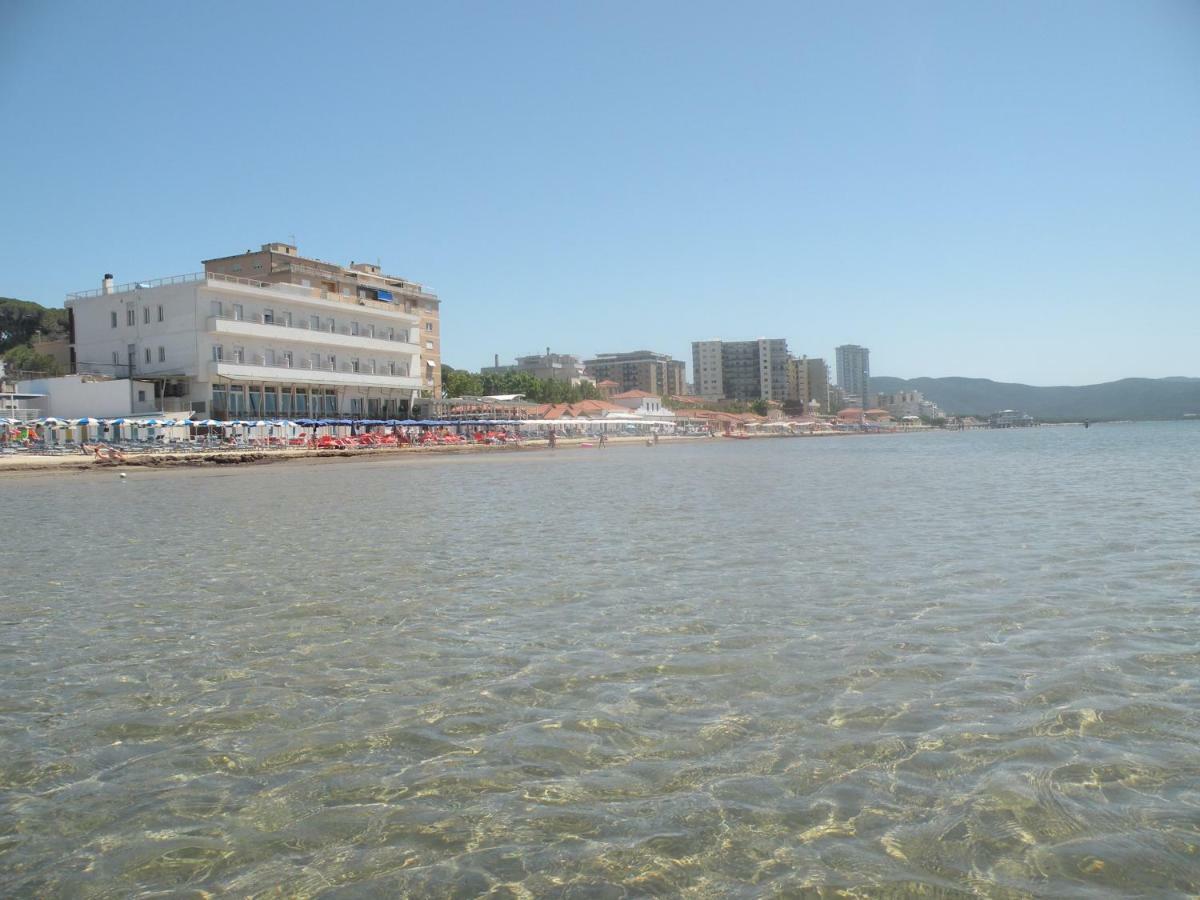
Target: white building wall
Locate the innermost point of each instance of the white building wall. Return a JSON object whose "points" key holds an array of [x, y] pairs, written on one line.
{"points": [[70, 397]]}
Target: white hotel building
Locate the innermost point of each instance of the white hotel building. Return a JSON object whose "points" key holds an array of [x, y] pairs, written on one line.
{"points": [[266, 334]]}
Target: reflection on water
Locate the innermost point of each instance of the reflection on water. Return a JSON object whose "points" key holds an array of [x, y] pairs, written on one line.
{"points": [[947, 663]]}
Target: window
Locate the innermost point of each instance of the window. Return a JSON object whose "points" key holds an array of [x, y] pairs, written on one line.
{"points": [[371, 366], [370, 331], [354, 328], [392, 368], [113, 314], [429, 345], [160, 312], [239, 354], [286, 358], [391, 334], [149, 355], [429, 326], [162, 354], [268, 317], [218, 309], [146, 315], [131, 316], [314, 361], [354, 365], [314, 322], [141, 396], [238, 312], [332, 362], [236, 267], [116, 358], [269, 357], [285, 319], [218, 353]]}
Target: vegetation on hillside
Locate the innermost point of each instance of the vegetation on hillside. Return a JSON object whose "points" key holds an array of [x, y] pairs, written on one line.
{"points": [[20, 322], [1129, 398]]}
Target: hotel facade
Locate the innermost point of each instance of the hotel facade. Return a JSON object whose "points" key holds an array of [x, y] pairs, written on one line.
{"points": [[266, 334]]}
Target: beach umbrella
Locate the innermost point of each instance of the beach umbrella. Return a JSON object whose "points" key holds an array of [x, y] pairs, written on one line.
{"points": [[86, 420]]}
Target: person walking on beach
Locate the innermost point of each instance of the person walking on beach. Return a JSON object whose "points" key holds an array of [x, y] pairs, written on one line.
{"points": [[553, 438], [603, 439]]}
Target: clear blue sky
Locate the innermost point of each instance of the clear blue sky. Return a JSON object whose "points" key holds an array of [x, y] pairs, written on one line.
{"points": [[1006, 190]]}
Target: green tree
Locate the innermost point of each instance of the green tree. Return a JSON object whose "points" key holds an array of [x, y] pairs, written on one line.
{"points": [[23, 358], [759, 407], [460, 383], [20, 320]]}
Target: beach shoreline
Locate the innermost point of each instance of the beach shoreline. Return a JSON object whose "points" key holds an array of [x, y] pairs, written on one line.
{"points": [[42, 464]]}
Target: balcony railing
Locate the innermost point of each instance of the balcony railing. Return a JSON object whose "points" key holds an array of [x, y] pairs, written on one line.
{"points": [[20, 414], [297, 290], [397, 338], [307, 365], [138, 285]]}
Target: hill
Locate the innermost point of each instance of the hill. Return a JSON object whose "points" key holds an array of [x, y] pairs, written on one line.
{"points": [[1129, 398]]}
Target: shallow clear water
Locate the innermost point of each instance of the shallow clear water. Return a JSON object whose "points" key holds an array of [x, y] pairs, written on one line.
{"points": [[943, 663]]}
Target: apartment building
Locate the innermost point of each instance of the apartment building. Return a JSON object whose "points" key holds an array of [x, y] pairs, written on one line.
{"points": [[641, 370], [545, 366], [741, 370], [854, 373], [266, 334], [808, 384]]}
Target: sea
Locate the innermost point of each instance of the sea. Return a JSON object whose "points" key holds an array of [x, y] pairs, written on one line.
{"points": [[940, 664]]}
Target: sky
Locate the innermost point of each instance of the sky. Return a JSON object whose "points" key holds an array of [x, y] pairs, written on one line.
{"points": [[1006, 190]]}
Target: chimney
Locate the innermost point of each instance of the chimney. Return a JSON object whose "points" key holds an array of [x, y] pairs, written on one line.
{"points": [[497, 358], [107, 284]]}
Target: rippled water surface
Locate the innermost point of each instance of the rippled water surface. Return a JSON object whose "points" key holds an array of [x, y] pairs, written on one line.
{"points": [[945, 663]]}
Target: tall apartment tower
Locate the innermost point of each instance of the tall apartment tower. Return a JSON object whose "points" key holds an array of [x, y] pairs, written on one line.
{"points": [[741, 370], [818, 382], [854, 373]]}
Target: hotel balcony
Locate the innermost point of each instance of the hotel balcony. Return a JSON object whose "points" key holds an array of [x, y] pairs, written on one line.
{"points": [[302, 334], [257, 369]]}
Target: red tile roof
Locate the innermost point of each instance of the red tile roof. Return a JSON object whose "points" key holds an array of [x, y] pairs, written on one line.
{"points": [[631, 395]]}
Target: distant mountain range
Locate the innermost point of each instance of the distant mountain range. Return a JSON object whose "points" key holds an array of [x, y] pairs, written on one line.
{"points": [[1129, 398]]}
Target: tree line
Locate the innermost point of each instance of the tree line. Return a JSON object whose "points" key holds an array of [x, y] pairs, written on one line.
{"points": [[461, 383], [20, 322]]}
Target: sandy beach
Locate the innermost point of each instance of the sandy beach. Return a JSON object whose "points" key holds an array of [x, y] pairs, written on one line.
{"points": [[31, 463]]}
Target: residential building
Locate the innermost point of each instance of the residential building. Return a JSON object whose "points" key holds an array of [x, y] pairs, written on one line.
{"points": [[641, 370], [546, 366], [854, 373], [808, 385], [265, 334], [741, 370], [281, 264], [909, 403]]}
